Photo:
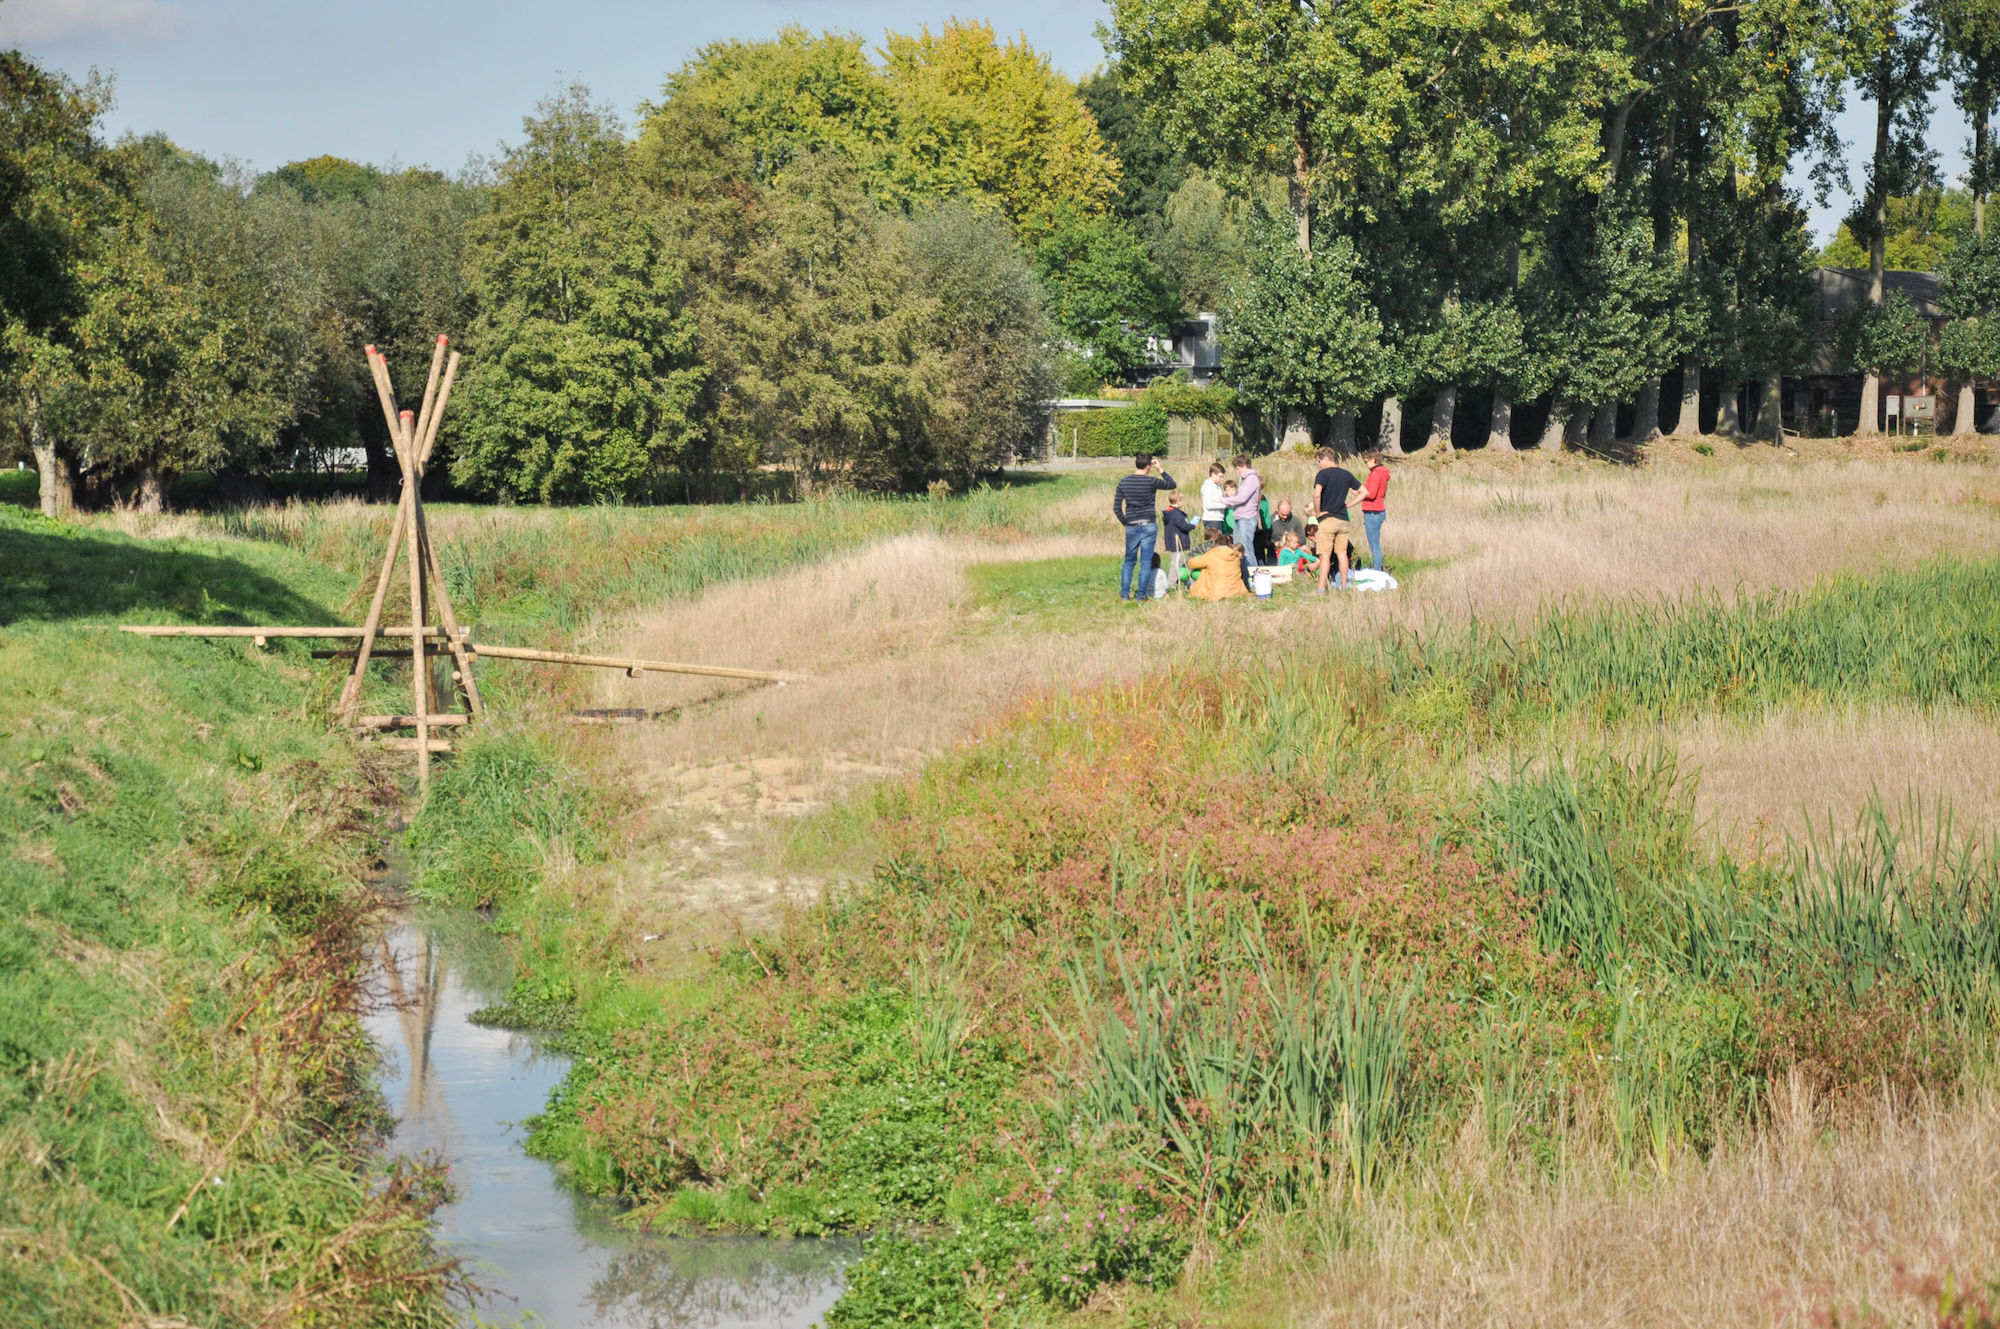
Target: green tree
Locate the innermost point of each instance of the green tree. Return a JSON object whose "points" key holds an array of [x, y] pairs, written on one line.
{"points": [[1301, 333], [992, 124], [324, 179], [994, 335], [1150, 169], [582, 374], [1200, 242], [1922, 230], [1105, 294], [1896, 60], [59, 190], [1889, 338], [951, 114], [1969, 348]]}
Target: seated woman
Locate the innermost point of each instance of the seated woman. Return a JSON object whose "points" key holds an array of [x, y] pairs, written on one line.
{"points": [[1221, 568]]}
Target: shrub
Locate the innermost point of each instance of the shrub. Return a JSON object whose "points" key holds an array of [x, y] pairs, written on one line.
{"points": [[1113, 431]]}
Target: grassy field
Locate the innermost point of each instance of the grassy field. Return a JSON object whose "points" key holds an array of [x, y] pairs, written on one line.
{"points": [[1272, 966], [1600, 928]]}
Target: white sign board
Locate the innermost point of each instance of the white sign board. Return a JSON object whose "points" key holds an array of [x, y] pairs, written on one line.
{"points": [[1921, 408], [1892, 405]]}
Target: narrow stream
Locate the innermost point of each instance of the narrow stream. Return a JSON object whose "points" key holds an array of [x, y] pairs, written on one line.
{"points": [[551, 1256]]}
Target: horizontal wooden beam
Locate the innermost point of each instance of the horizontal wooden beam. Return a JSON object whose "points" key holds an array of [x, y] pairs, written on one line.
{"points": [[178, 631], [403, 721], [410, 744], [630, 666]]}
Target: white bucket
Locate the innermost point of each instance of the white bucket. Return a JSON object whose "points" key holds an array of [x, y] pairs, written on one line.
{"points": [[1260, 582]]}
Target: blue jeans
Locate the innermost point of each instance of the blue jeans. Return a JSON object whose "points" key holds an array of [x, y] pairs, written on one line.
{"points": [[1140, 538], [1246, 540], [1372, 522]]}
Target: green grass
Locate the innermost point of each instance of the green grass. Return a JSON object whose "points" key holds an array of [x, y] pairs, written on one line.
{"points": [[21, 488], [178, 949], [1370, 931], [1053, 593]]}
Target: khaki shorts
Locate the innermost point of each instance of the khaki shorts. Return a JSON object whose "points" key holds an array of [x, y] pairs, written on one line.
{"points": [[1323, 538]]}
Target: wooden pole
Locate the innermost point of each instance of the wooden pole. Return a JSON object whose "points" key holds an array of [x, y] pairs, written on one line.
{"points": [[180, 630], [350, 691], [436, 632], [430, 398], [630, 666], [420, 644], [437, 412], [427, 436]]}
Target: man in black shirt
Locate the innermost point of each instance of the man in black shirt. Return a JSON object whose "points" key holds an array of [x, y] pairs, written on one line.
{"points": [[1332, 488], [1132, 504]]}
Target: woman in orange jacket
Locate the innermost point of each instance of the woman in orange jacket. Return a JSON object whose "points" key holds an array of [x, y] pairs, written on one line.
{"points": [[1221, 568]]}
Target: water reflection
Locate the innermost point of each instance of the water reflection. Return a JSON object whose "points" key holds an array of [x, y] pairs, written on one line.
{"points": [[553, 1257]]}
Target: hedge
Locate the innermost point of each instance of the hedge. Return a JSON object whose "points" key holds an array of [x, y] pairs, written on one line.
{"points": [[1111, 431]]}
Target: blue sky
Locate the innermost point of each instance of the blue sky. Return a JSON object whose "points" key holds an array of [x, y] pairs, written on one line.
{"points": [[434, 82]]}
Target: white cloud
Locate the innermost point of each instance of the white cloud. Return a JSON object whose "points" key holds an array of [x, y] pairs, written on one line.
{"points": [[38, 22]]}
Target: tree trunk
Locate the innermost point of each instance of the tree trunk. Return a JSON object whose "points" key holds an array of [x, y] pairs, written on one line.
{"points": [[57, 495], [1646, 412], [1500, 427], [1604, 424], [1298, 431], [1614, 138], [1979, 181], [1728, 419], [152, 489], [1343, 433], [1576, 432], [1298, 190], [1442, 411], [1871, 386], [1552, 432], [1964, 422], [1390, 437], [1689, 424], [1771, 410]]}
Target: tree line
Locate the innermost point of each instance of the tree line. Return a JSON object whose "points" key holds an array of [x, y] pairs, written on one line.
{"points": [[876, 267]]}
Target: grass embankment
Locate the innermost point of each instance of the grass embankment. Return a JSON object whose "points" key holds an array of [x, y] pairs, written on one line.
{"points": [[186, 1112], [1148, 969]]}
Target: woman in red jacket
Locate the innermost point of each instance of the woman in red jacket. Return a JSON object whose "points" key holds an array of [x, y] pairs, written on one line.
{"points": [[1375, 505]]}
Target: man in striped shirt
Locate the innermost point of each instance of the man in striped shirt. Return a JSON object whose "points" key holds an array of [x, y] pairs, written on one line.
{"points": [[1132, 504]]}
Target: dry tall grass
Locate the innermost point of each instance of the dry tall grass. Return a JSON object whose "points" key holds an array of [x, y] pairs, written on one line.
{"points": [[1807, 1218], [1762, 777], [896, 674], [1516, 535]]}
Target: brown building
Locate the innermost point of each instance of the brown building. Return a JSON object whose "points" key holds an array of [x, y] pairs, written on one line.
{"points": [[1827, 399]]}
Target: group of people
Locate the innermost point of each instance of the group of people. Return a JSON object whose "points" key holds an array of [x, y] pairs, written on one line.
{"points": [[1239, 530]]}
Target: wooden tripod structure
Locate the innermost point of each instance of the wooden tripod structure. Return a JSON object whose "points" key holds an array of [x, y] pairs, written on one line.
{"points": [[413, 434]]}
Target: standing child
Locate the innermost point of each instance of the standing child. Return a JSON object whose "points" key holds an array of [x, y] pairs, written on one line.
{"points": [[1179, 528], [1213, 513]]}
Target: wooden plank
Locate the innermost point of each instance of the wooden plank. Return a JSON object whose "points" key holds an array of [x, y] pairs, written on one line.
{"points": [[402, 721], [629, 666], [177, 630], [430, 745]]}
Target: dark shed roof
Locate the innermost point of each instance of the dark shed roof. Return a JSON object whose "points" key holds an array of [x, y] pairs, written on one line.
{"points": [[1843, 290]]}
